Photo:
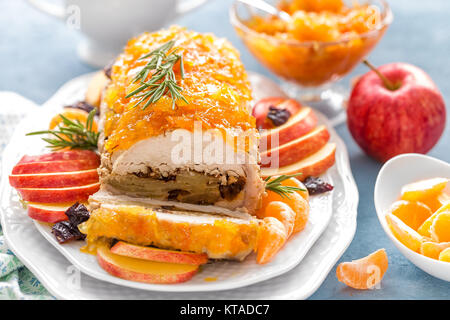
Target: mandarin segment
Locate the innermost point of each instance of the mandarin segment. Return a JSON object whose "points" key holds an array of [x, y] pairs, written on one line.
{"points": [[271, 239], [423, 190], [406, 235], [71, 114], [283, 213], [433, 249], [294, 182], [445, 255], [425, 228], [440, 228], [364, 273], [413, 214]]}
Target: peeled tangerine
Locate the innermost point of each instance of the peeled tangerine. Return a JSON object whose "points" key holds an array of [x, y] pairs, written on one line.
{"points": [[427, 191], [271, 239], [433, 249], [364, 273], [283, 213], [425, 228], [440, 228], [293, 200], [445, 255], [412, 214], [406, 235]]}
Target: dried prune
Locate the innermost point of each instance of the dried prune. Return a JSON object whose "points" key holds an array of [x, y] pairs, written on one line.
{"points": [[83, 105], [77, 214], [65, 231], [278, 116], [316, 185]]}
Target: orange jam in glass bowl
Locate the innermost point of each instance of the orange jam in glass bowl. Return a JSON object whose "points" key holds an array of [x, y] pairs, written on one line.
{"points": [[321, 43]]}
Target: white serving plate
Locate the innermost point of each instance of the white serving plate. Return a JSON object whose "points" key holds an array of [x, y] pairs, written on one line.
{"points": [[394, 174], [57, 273]]}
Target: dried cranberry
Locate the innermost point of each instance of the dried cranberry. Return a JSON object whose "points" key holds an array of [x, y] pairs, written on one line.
{"points": [[316, 185], [278, 116], [65, 231], [83, 105]]}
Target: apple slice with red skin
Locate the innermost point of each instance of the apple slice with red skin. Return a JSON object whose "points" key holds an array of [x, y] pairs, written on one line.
{"points": [[58, 195], [158, 255], [298, 125], [143, 270], [56, 166], [54, 180], [297, 149], [46, 212], [261, 109], [61, 155], [314, 165]]}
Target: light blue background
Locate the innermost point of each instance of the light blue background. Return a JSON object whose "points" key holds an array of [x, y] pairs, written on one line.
{"points": [[37, 56]]}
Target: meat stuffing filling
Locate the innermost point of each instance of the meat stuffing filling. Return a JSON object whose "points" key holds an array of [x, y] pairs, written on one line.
{"points": [[183, 186]]}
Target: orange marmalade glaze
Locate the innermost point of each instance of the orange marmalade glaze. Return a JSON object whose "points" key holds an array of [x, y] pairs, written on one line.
{"points": [[215, 84]]}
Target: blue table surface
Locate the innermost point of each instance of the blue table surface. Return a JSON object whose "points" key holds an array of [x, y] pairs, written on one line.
{"points": [[38, 55]]}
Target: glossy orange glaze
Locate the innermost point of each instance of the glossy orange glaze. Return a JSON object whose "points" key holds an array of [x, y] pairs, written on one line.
{"points": [[215, 84], [142, 226], [324, 40]]}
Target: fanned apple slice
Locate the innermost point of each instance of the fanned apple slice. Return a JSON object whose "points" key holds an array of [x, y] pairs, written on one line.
{"points": [[297, 149], [143, 270], [47, 212], [54, 180], [61, 155], [58, 195], [158, 255], [298, 125], [313, 165], [55, 166]]}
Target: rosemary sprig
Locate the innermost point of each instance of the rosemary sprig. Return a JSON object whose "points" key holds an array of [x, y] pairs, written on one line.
{"points": [[72, 134], [162, 80], [276, 186]]}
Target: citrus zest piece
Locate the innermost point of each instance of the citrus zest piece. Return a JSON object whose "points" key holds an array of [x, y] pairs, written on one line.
{"points": [[71, 114], [424, 189], [433, 249], [364, 273], [283, 213], [445, 255], [406, 235], [440, 229], [271, 239], [413, 214], [424, 229]]}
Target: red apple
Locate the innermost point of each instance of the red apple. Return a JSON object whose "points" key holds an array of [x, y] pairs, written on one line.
{"points": [[297, 149], [298, 125], [158, 255], [143, 270], [54, 180], [395, 109], [261, 109], [58, 195]]}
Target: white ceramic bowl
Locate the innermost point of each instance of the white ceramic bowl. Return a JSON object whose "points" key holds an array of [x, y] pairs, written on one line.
{"points": [[395, 173]]}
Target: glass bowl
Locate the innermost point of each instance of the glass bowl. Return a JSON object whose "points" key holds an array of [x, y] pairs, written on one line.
{"points": [[309, 69]]}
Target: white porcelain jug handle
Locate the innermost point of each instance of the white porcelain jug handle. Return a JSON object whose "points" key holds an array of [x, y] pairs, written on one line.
{"points": [[52, 9], [185, 6]]}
